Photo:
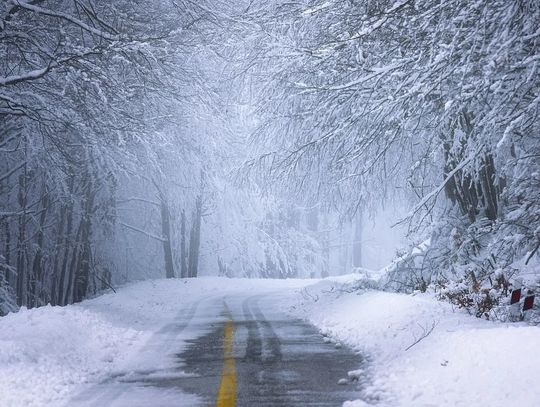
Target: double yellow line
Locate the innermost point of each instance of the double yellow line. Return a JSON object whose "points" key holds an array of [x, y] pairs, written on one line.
{"points": [[227, 389]]}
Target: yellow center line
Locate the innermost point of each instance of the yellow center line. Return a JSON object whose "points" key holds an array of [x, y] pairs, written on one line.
{"points": [[227, 389]]}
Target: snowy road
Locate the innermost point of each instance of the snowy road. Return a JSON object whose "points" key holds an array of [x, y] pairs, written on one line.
{"points": [[221, 342], [241, 350]]}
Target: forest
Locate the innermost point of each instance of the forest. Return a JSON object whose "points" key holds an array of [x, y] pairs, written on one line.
{"points": [[179, 138]]}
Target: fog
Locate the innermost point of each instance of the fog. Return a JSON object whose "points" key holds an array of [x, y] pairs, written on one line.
{"points": [[262, 139]]}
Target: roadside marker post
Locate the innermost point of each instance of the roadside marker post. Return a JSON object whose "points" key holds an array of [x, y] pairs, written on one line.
{"points": [[516, 296], [528, 305], [517, 311], [514, 313]]}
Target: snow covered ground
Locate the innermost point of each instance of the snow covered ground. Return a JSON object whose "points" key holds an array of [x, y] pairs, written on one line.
{"points": [[49, 354], [422, 352], [46, 353]]}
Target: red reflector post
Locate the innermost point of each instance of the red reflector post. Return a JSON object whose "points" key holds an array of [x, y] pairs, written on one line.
{"points": [[528, 303], [516, 296]]}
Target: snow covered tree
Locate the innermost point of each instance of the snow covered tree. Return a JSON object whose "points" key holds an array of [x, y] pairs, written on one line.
{"points": [[84, 88], [438, 99]]}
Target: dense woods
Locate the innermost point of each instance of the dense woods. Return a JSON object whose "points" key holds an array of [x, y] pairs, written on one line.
{"points": [[84, 90], [254, 139], [435, 100]]}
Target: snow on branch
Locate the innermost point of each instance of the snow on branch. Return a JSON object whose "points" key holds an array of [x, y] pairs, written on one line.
{"points": [[35, 74], [76, 21], [144, 232], [12, 171], [136, 199], [39, 73], [435, 193]]}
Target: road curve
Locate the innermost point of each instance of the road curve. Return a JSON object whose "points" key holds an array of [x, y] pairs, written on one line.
{"points": [[246, 353]]}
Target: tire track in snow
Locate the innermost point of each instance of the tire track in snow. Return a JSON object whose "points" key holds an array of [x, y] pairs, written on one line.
{"points": [[112, 388]]}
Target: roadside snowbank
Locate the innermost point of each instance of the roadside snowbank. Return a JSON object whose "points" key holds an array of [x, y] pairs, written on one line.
{"points": [[49, 354], [46, 352], [424, 353]]}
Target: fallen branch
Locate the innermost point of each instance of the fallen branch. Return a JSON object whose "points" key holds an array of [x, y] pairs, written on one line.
{"points": [[425, 334], [106, 283]]}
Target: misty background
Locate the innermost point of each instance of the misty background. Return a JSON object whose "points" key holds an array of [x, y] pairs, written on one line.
{"points": [[265, 139]]}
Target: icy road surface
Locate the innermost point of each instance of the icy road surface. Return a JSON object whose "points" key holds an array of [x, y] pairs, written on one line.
{"points": [[244, 351]]}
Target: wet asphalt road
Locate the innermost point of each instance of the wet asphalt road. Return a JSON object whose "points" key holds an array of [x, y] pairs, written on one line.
{"points": [[278, 361]]}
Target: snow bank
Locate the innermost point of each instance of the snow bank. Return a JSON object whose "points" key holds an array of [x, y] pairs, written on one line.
{"points": [[49, 354], [420, 351], [423, 353], [45, 352]]}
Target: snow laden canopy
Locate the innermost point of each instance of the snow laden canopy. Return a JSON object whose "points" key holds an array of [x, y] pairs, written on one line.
{"points": [[181, 138], [432, 103]]}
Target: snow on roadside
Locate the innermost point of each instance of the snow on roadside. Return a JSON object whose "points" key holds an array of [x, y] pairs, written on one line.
{"points": [[45, 352], [464, 361], [50, 354]]}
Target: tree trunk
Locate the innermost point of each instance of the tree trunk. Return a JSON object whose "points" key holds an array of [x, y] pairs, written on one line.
{"points": [[21, 241], [195, 239], [37, 266], [357, 242], [183, 253], [57, 251], [326, 248], [63, 284], [82, 275], [166, 234], [71, 271], [476, 191], [489, 190], [7, 247]]}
